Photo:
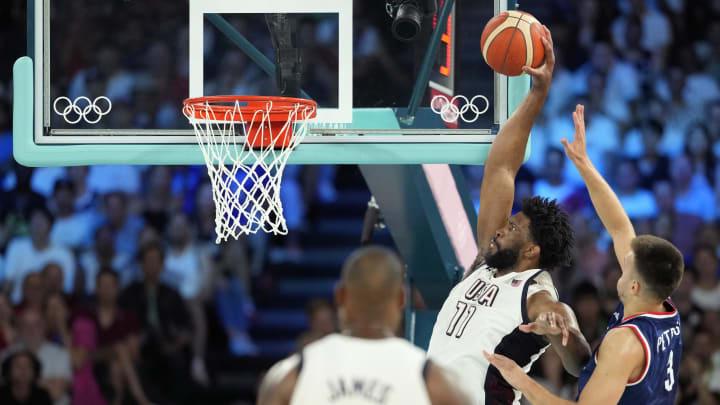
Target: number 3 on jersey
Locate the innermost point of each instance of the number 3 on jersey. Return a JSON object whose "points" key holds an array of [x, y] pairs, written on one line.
{"points": [[461, 318], [671, 378]]}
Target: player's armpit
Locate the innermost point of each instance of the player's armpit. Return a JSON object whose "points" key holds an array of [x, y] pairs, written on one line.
{"points": [[556, 321], [621, 358], [440, 388], [279, 383]]}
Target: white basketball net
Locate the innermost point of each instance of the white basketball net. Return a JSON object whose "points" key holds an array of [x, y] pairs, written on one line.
{"points": [[245, 179]]}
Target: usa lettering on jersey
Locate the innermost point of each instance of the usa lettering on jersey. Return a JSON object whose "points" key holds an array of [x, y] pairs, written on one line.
{"points": [[482, 292], [372, 390]]}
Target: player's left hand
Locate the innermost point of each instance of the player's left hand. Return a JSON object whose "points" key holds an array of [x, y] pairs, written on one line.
{"points": [[548, 323], [511, 372]]}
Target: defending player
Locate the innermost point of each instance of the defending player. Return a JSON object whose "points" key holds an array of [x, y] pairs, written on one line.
{"points": [[638, 357], [366, 364], [508, 292]]}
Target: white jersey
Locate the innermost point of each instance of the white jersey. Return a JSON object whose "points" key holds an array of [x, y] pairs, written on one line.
{"points": [[345, 370], [483, 312]]}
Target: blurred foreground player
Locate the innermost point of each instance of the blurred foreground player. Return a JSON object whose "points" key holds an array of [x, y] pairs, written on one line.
{"points": [[365, 363], [638, 358], [506, 302]]}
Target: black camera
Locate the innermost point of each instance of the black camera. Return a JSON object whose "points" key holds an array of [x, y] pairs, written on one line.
{"points": [[408, 15]]}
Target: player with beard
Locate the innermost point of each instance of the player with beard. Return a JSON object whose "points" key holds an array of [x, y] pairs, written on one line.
{"points": [[506, 302]]}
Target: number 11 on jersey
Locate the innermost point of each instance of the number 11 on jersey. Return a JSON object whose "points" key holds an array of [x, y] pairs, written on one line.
{"points": [[462, 317]]}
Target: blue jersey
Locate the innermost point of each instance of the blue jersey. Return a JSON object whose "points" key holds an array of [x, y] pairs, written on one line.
{"points": [[659, 334]]}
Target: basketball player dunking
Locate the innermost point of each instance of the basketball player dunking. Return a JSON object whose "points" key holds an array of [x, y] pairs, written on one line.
{"points": [[638, 358], [506, 302], [366, 363]]}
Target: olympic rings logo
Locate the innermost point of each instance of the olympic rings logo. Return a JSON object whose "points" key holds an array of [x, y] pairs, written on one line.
{"points": [[74, 111], [450, 112]]}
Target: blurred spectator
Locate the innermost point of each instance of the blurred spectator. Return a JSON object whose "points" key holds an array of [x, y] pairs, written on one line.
{"points": [[551, 185], [52, 279], [322, 321], [690, 314], [188, 269], [706, 294], [85, 388], [655, 29], [680, 228], [622, 82], [159, 200], [693, 195], [166, 326], [57, 319], [698, 147], [29, 254], [71, 229], [7, 324], [124, 225], [233, 300], [56, 368], [115, 350], [588, 307], [652, 165], [104, 255], [33, 297], [84, 198], [21, 372], [638, 203], [16, 203], [611, 274]]}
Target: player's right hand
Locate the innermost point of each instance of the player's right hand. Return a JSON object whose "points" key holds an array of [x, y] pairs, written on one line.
{"points": [[576, 150], [542, 75], [548, 323]]}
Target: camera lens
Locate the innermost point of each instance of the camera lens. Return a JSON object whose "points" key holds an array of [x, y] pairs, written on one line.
{"points": [[407, 21]]}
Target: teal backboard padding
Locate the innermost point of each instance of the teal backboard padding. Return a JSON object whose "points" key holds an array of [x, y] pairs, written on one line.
{"points": [[30, 153]]}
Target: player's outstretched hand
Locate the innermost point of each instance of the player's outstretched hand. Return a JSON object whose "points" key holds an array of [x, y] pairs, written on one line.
{"points": [[576, 150], [542, 75], [548, 323], [511, 372]]}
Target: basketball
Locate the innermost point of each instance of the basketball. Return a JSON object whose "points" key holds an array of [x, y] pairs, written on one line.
{"points": [[511, 40]]}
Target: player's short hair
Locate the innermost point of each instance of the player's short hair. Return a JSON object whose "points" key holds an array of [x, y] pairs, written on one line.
{"points": [[659, 263], [550, 229]]}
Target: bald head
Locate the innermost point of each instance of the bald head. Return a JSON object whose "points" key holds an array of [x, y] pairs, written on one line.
{"points": [[372, 280]]}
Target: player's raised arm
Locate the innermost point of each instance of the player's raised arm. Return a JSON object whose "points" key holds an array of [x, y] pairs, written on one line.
{"points": [[606, 203], [507, 151]]}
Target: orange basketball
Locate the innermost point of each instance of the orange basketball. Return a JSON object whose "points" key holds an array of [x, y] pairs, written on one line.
{"points": [[511, 40]]}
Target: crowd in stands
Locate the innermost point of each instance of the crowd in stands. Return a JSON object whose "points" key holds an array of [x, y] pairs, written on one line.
{"points": [[109, 273]]}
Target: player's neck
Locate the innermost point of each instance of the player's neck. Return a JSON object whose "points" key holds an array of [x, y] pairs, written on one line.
{"points": [[642, 306], [367, 331], [519, 267]]}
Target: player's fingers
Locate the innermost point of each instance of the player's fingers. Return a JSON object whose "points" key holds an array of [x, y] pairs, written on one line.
{"points": [[565, 144], [530, 71], [549, 53], [551, 320], [565, 333], [528, 327]]}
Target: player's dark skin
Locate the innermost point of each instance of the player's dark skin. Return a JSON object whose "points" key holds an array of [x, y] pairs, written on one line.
{"points": [[496, 228], [370, 299]]}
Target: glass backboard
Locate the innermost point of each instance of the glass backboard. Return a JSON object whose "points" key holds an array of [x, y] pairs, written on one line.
{"points": [[395, 81]]}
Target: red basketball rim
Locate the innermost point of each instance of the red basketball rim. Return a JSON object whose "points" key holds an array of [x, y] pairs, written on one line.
{"points": [[273, 108]]}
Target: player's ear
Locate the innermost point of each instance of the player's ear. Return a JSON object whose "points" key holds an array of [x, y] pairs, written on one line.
{"points": [[401, 297], [340, 295], [532, 251], [635, 287]]}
